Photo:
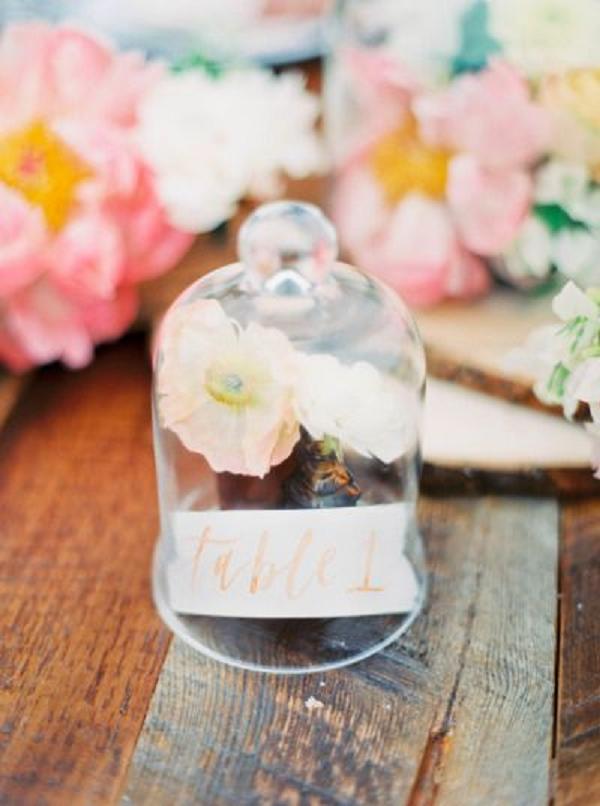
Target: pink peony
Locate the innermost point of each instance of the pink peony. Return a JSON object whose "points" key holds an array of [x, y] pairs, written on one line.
{"points": [[489, 115], [488, 205], [413, 245], [44, 323], [80, 221], [383, 90], [446, 184], [22, 236]]}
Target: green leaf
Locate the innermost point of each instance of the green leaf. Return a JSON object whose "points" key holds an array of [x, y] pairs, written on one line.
{"points": [[556, 217], [590, 352], [558, 380], [197, 61], [477, 45]]}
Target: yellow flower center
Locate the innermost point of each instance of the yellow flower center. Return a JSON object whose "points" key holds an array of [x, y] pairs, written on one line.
{"points": [[229, 387], [37, 164], [403, 164]]}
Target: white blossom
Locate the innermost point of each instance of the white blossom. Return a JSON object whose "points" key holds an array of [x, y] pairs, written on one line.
{"points": [[211, 142], [365, 410], [560, 182], [572, 303], [576, 254], [530, 255], [539, 36]]}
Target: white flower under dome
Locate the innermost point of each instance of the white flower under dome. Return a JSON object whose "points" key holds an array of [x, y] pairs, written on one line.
{"points": [[213, 141], [365, 410]]}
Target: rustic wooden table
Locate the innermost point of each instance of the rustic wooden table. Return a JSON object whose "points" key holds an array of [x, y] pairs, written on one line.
{"points": [[493, 697]]}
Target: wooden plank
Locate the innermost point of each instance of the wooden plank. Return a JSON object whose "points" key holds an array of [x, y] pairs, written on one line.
{"points": [[565, 484], [578, 737], [460, 711], [11, 388], [81, 646]]}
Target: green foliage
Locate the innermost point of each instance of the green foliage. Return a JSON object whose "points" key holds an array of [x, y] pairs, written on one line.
{"points": [[556, 218], [197, 61], [477, 45], [557, 381]]}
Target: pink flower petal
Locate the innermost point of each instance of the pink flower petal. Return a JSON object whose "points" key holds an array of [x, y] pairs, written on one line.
{"points": [[22, 239], [488, 114], [40, 325], [24, 50], [88, 256], [488, 205]]}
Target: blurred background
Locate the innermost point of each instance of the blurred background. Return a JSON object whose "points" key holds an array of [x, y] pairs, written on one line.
{"points": [[455, 145]]}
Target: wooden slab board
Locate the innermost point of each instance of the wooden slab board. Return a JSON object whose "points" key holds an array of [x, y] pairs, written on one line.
{"points": [[464, 428], [469, 343]]}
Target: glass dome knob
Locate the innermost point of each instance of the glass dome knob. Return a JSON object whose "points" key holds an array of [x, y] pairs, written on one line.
{"points": [[288, 246]]}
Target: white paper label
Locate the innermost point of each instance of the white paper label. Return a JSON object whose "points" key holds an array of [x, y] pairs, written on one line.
{"points": [[292, 563]]}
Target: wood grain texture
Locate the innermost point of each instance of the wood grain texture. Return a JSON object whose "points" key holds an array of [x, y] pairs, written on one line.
{"points": [[469, 343], [564, 484], [578, 727], [444, 366], [11, 389], [81, 646], [460, 712]]}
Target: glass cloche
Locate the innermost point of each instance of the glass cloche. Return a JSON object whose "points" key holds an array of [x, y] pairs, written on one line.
{"points": [[287, 405]]}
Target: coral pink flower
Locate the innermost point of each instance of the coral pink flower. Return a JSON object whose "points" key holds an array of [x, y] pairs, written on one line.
{"points": [[80, 221], [22, 235], [488, 205], [44, 323], [489, 115]]}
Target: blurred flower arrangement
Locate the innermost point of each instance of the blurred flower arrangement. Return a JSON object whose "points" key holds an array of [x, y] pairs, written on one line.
{"points": [[565, 359], [245, 397], [270, 31], [467, 143], [109, 165]]}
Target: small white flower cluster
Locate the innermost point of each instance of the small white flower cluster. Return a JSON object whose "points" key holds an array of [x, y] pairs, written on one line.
{"points": [[571, 243], [565, 359], [215, 140]]}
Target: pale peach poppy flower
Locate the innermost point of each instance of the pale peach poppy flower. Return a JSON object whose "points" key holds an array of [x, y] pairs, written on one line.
{"points": [[225, 390]]}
